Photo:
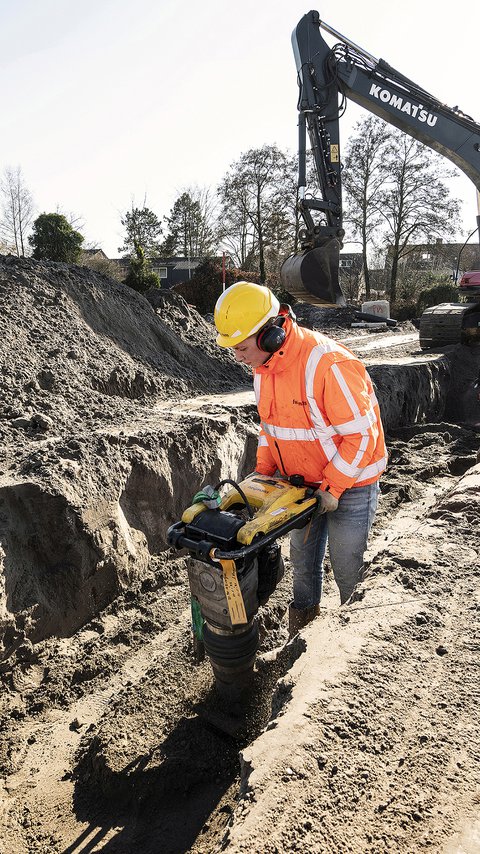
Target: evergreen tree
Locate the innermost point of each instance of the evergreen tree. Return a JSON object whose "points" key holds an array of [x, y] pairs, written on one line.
{"points": [[54, 239], [142, 227], [191, 229], [141, 277]]}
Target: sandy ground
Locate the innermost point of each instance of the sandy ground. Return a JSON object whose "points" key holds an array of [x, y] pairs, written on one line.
{"points": [[362, 735]]}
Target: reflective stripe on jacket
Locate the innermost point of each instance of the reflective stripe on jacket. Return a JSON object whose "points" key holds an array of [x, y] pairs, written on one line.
{"points": [[319, 414]]}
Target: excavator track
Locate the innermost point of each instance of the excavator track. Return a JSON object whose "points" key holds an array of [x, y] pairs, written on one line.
{"points": [[450, 323]]}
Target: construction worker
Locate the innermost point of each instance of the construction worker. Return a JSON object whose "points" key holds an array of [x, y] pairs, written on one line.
{"points": [[319, 419]]}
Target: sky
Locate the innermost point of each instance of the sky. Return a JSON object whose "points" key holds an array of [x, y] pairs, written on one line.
{"points": [[109, 103]]}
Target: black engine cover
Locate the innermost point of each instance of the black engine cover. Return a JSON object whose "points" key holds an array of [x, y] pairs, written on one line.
{"points": [[219, 526]]}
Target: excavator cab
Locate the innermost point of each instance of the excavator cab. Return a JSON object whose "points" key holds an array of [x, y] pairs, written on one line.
{"points": [[312, 275]]}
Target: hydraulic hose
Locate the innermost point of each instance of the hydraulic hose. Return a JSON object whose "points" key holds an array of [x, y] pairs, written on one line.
{"points": [[240, 492]]}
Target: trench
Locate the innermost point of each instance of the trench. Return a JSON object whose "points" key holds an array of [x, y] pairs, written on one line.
{"points": [[124, 709]]}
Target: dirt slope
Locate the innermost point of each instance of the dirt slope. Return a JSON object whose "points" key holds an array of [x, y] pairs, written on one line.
{"points": [[375, 743], [85, 364]]}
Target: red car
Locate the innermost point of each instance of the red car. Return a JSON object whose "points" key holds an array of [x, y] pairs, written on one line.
{"points": [[470, 282]]}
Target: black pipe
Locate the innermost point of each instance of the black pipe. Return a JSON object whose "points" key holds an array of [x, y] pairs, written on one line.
{"points": [[374, 318]]}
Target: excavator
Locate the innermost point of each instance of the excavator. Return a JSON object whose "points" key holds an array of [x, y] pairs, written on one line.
{"points": [[326, 77]]}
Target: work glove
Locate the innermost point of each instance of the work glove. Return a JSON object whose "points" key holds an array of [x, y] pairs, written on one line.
{"points": [[327, 502], [208, 496]]}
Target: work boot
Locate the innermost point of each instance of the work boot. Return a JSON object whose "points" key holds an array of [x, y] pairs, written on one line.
{"points": [[300, 617]]}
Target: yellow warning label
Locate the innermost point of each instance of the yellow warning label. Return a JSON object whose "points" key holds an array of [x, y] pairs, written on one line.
{"points": [[334, 154], [236, 607]]}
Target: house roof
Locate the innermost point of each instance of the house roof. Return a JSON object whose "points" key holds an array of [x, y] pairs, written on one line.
{"points": [[187, 265], [94, 252]]}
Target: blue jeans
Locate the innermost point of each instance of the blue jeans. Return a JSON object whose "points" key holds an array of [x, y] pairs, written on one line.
{"points": [[346, 530]]}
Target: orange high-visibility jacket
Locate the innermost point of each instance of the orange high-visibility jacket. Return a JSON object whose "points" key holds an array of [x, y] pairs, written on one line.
{"points": [[319, 414]]}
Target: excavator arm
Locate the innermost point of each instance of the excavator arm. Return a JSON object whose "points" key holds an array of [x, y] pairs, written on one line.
{"points": [[326, 77]]}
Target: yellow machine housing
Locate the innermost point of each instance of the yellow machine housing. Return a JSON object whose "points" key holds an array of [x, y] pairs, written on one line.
{"points": [[273, 500]]}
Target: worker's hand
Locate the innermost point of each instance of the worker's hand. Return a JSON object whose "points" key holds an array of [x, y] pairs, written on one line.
{"points": [[327, 502]]}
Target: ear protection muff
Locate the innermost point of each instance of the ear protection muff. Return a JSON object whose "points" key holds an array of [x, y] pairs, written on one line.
{"points": [[271, 337]]}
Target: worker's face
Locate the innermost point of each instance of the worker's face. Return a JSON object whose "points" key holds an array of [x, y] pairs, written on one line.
{"points": [[248, 353]]}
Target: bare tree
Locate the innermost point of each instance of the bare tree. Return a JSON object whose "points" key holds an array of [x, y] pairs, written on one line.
{"points": [[77, 221], [363, 181], [237, 232], [258, 213], [17, 210], [415, 203]]}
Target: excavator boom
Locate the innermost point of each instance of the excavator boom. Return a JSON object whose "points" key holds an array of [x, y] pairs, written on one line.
{"points": [[326, 76]]}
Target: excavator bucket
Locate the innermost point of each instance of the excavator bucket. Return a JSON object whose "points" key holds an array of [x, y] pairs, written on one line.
{"points": [[312, 275]]}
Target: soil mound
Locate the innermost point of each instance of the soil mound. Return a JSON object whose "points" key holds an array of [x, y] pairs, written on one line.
{"points": [[75, 344], [87, 364]]}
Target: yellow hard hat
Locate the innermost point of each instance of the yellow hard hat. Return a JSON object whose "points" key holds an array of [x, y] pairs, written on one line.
{"points": [[242, 310]]}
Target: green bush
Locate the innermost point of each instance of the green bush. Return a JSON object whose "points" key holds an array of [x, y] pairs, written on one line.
{"points": [[140, 276], [205, 286], [435, 296], [404, 309], [54, 239]]}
